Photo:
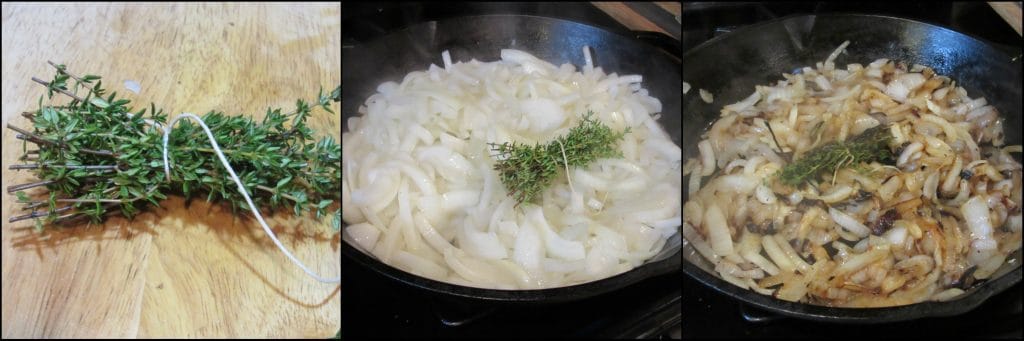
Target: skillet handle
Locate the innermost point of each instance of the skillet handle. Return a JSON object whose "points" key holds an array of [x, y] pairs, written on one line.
{"points": [[662, 41], [756, 315]]}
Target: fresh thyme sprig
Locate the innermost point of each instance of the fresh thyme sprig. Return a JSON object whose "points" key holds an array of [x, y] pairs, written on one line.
{"points": [[96, 154], [528, 170], [870, 146]]}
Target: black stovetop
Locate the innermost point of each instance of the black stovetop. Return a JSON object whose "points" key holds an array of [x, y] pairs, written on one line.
{"points": [[710, 314], [375, 306]]}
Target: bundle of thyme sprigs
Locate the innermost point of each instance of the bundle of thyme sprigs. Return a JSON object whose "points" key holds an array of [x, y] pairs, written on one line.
{"points": [[96, 155], [870, 146], [527, 170]]}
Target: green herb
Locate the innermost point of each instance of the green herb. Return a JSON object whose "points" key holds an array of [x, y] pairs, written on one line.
{"points": [[97, 155], [336, 221], [870, 146], [527, 170], [22, 197]]}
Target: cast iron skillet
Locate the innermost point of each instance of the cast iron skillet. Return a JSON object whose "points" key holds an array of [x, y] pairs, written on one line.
{"points": [[482, 37], [730, 65]]}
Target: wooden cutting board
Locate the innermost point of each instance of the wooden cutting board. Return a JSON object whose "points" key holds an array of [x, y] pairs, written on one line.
{"points": [[179, 270], [664, 17]]}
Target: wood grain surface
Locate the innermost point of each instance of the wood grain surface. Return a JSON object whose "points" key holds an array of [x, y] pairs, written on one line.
{"points": [[1010, 12], [636, 21], [184, 269]]}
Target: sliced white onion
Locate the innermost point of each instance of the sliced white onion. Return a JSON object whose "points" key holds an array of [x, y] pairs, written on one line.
{"points": [[483, 245], [931, 184], [418, 265], [896, 235], [1014, 223], [908, 153], [764, 194], [742, 105], [888, 189], [693, 212], [859, 261], [832, 56], [459, 199], [364, 234], [976, 214], [750, 250], [823, 83], [706, 96], [699, 243], [718, 231], [849, 223], [989, 265], [694, 184], [734, 280], [837, 194], [951, 132], [447, 59], [736, 183], [430, 234], [903, 85], [528, 250], [787, 249], [940, 94], [707, 158], [777, 255], [556, 246], [948, 294], [730, 268], [952, 175], [588, 61]]}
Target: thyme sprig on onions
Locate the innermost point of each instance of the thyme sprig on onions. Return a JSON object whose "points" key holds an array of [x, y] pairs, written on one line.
{"points": [[527, 170], [870, 146]]}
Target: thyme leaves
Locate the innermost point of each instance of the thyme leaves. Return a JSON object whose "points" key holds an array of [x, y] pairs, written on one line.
{"points": [[527, 170], [870, 146], [98, 157]]}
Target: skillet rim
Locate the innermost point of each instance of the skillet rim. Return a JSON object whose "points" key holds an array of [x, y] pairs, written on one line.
{"points": [[984, 42]]}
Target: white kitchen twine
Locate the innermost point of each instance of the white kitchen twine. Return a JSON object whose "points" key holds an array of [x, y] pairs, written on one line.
{"points": [[241, 189]]}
